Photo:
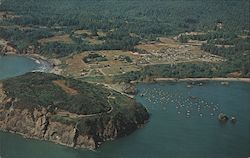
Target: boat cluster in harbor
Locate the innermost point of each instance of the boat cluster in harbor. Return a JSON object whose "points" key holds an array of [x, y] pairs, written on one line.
{"points": [[223, 118], [185, 104]]}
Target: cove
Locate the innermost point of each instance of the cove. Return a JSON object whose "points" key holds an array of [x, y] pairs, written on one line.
{"points": [[12, 65]]}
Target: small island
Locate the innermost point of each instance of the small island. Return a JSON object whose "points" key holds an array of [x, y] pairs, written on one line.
{"points": [[66, 111]]}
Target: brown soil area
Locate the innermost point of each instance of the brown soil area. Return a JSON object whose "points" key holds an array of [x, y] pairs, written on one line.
{"points": [[61, 83]]}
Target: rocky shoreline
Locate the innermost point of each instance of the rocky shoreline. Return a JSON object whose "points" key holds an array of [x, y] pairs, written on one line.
{"points": [[39, 125], [35, 121]]}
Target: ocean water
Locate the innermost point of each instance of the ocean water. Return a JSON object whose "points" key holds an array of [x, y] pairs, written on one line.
{"points": [[12, 65], [183, 124]]}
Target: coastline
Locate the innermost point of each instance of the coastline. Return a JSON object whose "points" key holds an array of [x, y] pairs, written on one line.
{"points": [[46, 65], [51, 66], [25, 136], [203, 79], [44, 59]]}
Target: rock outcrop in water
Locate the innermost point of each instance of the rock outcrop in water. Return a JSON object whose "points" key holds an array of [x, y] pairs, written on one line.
{"points": [[66, 111], [222, 117]]}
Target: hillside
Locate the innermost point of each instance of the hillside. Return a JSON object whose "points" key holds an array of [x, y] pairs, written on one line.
{"points": [[66, 111]]}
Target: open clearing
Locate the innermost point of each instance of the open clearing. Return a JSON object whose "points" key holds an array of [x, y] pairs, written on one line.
{"points": [[169, 51], [165, 51], [75, 66], [86, 35], [59, 38], [62, 84], [83, 32]]}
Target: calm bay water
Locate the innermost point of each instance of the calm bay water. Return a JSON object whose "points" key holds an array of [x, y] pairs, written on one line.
{"points": [[183, 124], [16, 65]]}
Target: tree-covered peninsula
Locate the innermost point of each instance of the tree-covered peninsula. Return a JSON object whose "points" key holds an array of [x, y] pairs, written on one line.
{"points": [[66, 111]]}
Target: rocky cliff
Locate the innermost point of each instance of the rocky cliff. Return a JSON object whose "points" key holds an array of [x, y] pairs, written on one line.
{"points": [[59, 122]]}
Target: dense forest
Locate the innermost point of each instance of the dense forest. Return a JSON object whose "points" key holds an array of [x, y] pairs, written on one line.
{"points": [[39, 90], [125, 22]]}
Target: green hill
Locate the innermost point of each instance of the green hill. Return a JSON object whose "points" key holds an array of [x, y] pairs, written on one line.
{"points": [[48, 106]]}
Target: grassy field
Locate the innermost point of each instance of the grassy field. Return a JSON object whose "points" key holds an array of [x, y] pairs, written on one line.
{"points": [[65, 38], [164, 51], [89, 37], [170, 51], [77, 67]]}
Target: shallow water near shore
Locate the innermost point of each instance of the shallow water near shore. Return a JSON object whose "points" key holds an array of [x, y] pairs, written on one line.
{"points": [[183, 124], [12, 65]]}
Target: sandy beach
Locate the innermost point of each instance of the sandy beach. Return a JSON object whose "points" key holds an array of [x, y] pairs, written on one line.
{"points": [[47, 65], [204, 79]]}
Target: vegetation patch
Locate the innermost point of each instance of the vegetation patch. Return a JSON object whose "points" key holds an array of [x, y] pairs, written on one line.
{"points": [[36, 90], [59, 38], [94, 57], [83, 32]]}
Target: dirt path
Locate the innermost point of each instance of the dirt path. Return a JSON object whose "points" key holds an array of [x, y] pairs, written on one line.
{"points": [[100, 70], [76, 116], [61, 84], [2, 94], [111, 88], [90, 71]]}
